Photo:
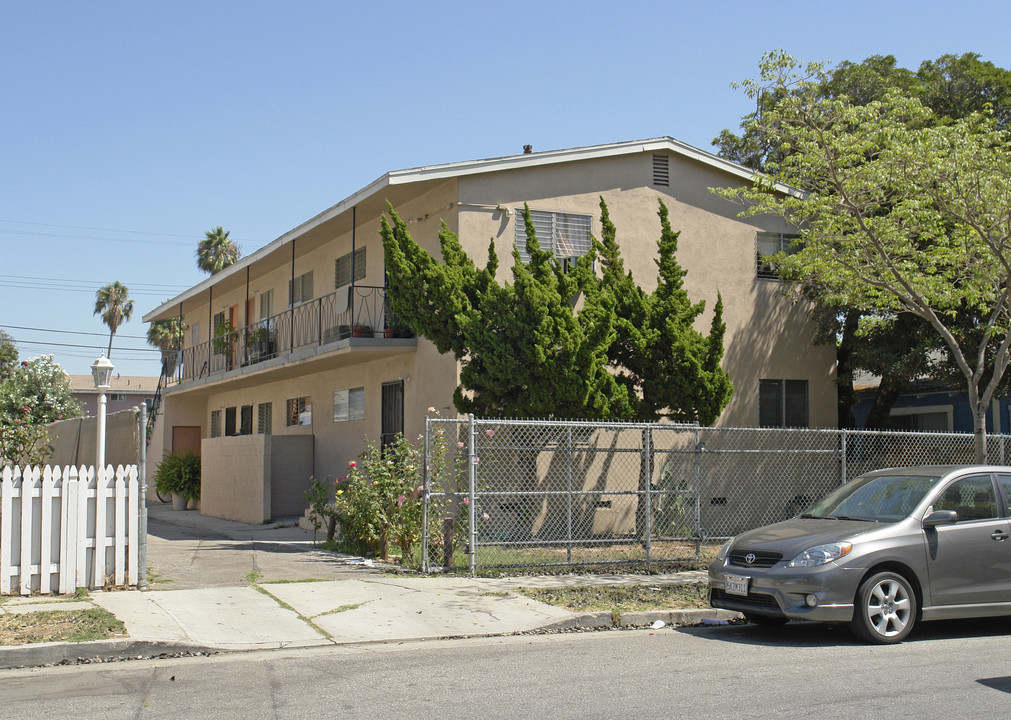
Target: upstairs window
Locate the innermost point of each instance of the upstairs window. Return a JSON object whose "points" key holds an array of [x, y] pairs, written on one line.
{"points": [[782, 403], [565, 235], [770, 244], [342, 269], [266, 304], [300, 289], [215, 423]]}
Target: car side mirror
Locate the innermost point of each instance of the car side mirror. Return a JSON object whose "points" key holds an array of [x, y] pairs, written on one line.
{"points": [[940, 517]]}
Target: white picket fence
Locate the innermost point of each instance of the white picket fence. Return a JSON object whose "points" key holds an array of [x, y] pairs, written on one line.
{"points": [[65, 528]]}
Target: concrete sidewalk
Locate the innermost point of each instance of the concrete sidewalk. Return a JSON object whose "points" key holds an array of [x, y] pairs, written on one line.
{"points": [[351, 603]]}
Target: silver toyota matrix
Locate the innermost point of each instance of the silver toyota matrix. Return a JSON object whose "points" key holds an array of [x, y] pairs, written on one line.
{"points": [[880, 553]]}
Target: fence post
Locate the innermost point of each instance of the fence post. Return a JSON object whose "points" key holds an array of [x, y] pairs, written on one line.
{"points": [[471, 473], [426, 489], [699, 449], [647, 438], [842, 465], [141, 568], [568, 495]]}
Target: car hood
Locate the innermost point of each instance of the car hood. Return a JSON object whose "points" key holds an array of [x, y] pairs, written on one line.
{"points": [[795, 535]]}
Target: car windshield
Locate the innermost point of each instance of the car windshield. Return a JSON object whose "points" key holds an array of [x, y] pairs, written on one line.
{"points": [[877, 498]]}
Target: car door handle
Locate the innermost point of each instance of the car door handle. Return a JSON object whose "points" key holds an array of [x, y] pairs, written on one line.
{"points": [[999, 535]]}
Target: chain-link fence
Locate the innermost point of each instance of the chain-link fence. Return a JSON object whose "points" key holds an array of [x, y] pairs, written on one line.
{"points": [[509, 493]]}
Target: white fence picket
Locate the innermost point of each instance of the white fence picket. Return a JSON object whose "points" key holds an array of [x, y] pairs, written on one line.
{"points": [[7, 527], [133, 527], [50, 477], [29, 481], [120, 539], [71, 506]]}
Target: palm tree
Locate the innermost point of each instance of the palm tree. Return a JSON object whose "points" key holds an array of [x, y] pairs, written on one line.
{"points": [[113, 302], [216, 252], [167, 336]]}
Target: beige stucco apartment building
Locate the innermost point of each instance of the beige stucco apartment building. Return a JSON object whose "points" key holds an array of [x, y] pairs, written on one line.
{"points": [[300, 371]]}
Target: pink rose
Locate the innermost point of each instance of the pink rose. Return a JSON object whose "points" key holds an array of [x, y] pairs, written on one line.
{"points": [[352, 464], [466, 501], [400, 501]]}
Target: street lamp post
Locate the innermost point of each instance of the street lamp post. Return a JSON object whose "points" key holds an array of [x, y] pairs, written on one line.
{"points": [[101, 370]]}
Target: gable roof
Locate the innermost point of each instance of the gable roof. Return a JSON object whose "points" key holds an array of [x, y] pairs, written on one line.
{"points": [[461, 169]]}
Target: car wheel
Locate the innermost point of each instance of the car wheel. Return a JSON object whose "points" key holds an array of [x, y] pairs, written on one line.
{"points": [[765, 620], [885, 609]]}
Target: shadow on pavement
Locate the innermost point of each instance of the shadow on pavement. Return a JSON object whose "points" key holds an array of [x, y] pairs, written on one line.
{"points": [[809, 634], [187, 550]]}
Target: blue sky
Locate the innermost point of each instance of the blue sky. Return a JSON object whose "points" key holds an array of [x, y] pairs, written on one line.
{"points": [[130, 128]]}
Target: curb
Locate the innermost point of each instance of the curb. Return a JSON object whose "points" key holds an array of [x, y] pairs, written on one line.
{"points": [[99, 651], [96, 651]]}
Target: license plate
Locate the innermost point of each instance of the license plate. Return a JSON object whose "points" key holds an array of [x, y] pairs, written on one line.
{"points": [[736, 584]]}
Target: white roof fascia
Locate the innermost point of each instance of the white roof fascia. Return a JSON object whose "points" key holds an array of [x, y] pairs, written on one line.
{"points": [[474, 167]]}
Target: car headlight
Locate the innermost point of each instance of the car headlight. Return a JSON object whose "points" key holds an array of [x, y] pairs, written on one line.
{"points": [[821, 554], [722, 554]]}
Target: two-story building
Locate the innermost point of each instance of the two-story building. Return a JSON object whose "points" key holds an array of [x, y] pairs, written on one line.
{"points": [[289, 363]]}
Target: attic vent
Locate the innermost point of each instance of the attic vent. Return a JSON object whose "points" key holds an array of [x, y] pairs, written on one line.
{"points": [[661, 171]]}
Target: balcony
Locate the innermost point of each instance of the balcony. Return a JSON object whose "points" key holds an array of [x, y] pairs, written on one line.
{"points": [[351, 312]]}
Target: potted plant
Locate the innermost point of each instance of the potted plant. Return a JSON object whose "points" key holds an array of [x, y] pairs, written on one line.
{"points": [[224, 338], [179, 474], [361, 331], [258, 342], [400, 328]]}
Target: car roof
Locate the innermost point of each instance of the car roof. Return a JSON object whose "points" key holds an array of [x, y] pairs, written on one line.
{"points": [[939, 470]]}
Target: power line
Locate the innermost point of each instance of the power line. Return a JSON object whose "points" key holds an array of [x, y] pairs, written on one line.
{"points": [[166, 286], [71, 332], [73, 345], [191, 238]]}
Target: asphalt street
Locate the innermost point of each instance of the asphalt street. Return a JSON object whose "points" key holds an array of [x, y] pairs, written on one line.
{"points": [[949, 669]]}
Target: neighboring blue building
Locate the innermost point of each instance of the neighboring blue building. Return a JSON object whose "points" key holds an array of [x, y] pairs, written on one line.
{"points": [[931, 407]]}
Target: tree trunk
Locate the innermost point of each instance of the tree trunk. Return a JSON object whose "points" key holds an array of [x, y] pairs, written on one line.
{"points": [[979, 432], [889, 390], [844, 370]]}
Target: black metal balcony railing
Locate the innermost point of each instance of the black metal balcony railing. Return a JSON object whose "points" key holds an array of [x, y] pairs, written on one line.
{"points": [[316, 322]]}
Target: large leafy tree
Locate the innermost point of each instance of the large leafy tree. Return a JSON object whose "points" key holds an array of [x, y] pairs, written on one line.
{"points": [[901, 213], [35, 393], [8, 355], [898, 347], [113, 303], [216, 251]]}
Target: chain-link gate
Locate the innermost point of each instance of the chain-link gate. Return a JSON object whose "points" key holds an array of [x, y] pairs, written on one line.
{"points": [[513, 493]]}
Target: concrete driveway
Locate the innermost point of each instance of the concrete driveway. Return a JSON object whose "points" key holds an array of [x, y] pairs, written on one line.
{"points": [[187, 550]]}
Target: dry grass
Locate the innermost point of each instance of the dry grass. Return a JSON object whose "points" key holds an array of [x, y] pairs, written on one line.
{"points": [[59, 626], [622, 598]]}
